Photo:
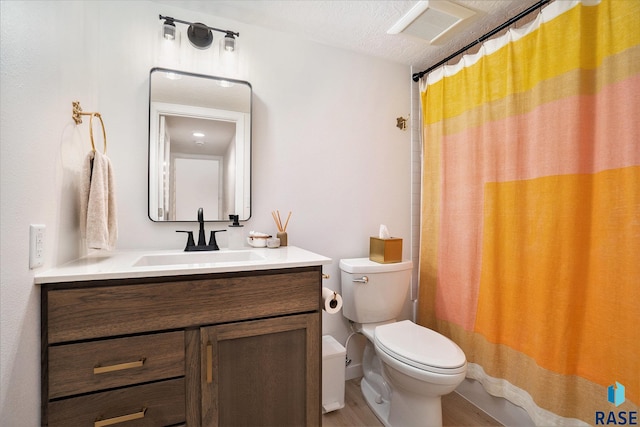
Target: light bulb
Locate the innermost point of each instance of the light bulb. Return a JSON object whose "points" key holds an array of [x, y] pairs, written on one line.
{"points": [[169, 30], [229, 43]]}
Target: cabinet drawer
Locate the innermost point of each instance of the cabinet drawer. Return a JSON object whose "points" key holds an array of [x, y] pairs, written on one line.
{"points": [[98, 365], [92, 312], [157, 404]]}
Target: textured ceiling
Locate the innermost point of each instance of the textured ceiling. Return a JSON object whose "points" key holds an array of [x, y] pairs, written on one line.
{"points": [[361, 25]]}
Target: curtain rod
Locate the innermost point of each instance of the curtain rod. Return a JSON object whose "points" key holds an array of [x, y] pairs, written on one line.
{"points": [[418, 76]]}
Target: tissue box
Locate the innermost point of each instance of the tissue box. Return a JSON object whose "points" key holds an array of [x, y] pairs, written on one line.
{"points": [[385, 251]]}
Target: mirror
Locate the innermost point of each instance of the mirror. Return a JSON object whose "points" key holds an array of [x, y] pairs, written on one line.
{"points": [[199, 146]]}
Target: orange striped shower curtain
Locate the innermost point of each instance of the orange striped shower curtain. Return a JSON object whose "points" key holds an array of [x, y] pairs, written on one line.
{"points": [[530, 246]]}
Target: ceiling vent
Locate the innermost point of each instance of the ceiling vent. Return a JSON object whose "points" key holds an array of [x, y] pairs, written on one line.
{"points": [[430, 20]]}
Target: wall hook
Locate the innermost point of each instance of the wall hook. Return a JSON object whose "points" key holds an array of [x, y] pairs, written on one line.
{"points": [[77, 112], [401, 123]]}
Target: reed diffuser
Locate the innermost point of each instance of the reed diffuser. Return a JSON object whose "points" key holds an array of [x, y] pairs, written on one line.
{"points": [[282, 229]]}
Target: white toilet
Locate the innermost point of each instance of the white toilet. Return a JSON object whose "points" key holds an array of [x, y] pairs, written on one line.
{"points": [[407, 367]]}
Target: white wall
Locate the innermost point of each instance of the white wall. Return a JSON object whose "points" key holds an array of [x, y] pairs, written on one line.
{"points": [[325, 147]]}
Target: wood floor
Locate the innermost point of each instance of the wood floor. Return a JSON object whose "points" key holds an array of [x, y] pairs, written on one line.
{"points": [[456, 411]]}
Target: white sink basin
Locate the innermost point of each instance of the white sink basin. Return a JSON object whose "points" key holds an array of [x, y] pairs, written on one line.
{"points": [[197, 258]]}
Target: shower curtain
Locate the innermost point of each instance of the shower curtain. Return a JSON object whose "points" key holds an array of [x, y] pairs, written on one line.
{"points": [[530, 239]]}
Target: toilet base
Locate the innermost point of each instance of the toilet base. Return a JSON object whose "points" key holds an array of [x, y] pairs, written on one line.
{"points": [[381, 410], [409, 409], [430, 409]]}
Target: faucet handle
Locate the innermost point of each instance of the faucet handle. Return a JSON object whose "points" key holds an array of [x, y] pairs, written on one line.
{"points": [[212, 239], [190, 242]]}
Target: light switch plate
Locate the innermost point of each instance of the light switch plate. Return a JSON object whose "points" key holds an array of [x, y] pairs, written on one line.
{"points": [[36, 245]]}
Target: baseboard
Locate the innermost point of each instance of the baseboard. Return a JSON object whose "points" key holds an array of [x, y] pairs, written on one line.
{"points": [[503, 411]]}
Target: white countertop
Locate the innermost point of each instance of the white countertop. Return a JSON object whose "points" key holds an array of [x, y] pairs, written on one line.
{"points": [[120, 264]]}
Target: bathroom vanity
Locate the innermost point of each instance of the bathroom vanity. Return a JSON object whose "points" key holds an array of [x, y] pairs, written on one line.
{"points": [[208, 343]]}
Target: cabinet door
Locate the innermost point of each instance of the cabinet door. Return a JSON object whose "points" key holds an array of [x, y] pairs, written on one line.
{"points": [[262, 372]]}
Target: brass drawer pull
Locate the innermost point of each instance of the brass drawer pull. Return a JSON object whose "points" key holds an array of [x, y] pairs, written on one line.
{"points": [[119, 367], [209, 363], [121, 419]]}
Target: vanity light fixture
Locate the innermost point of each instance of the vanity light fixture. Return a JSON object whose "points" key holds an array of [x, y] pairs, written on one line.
{"points": [[199, 34], [198, 134]]}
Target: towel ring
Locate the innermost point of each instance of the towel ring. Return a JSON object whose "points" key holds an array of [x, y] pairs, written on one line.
{"points": [[77, 117], [104, 132]]}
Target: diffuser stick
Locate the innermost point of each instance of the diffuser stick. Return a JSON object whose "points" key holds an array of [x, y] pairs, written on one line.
{"points": [[287, 222], [276, 218]]}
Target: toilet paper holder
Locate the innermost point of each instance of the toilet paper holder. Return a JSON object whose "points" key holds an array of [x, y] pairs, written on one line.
{"points": [[331, 301], [334, 301]]}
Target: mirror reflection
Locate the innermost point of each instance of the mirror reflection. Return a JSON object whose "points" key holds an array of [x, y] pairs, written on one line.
{"points": [[199, 146]]}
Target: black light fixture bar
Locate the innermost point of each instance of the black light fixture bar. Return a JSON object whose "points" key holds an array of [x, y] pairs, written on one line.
{"points": [[227, 32]]}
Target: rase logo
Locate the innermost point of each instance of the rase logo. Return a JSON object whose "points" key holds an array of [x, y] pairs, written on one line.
{"points": [[615, 395]]}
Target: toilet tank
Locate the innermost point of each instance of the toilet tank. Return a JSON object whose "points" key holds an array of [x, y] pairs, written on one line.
{"points": [[374, 292]]}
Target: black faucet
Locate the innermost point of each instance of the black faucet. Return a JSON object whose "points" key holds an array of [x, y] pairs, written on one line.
{"points": [[201, 241], [202, 244]]}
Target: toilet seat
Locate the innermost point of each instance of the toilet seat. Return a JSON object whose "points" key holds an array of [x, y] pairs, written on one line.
{"points": [[420, 347]]}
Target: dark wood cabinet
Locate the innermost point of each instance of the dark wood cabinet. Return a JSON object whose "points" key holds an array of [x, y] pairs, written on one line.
{"points": [[261, 370], [202, 350]]}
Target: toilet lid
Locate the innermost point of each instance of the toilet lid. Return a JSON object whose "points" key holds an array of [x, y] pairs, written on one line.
{"points": [[420, 347]]}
